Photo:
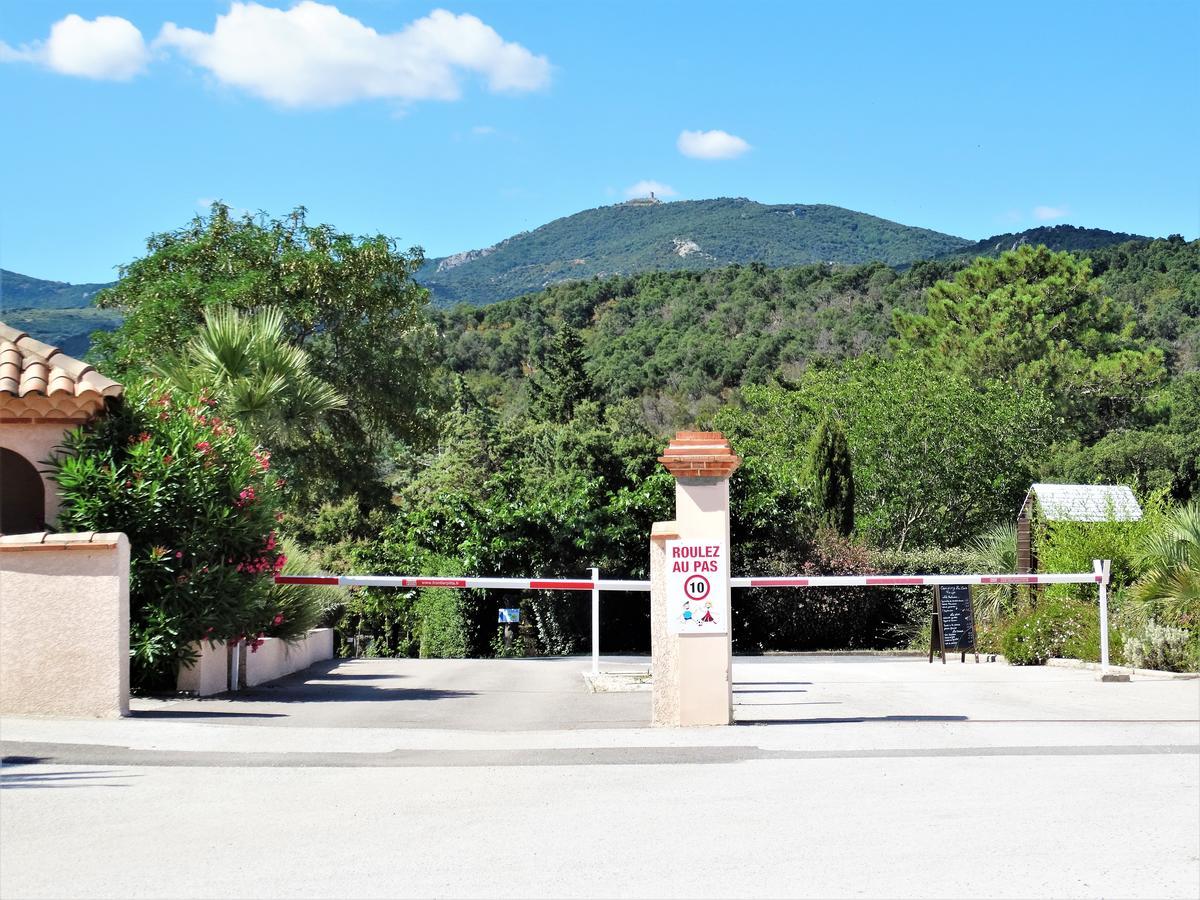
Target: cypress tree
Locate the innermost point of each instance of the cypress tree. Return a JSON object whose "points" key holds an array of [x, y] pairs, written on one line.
{"points": [[832, 477], [563, 383]]}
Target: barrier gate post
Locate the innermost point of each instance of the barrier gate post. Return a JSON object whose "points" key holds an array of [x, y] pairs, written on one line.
{"points": [[595, 620]]}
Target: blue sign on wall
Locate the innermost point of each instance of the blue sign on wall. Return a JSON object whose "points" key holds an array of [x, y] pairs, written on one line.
{"points": [[509, 615]]}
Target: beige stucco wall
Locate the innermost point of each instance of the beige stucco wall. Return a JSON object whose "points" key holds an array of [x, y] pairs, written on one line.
{"points": [[276, 658], [64, 624], [664, 646], [36, 442], [209, 674]]}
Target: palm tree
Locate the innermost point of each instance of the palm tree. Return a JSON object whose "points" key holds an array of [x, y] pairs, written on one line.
{"points": [[996, 551], [261, 379], [1169, 591]]}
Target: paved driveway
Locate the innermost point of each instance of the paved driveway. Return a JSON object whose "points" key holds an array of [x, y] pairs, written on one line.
{"points": [[877, 778], [549, 694]]}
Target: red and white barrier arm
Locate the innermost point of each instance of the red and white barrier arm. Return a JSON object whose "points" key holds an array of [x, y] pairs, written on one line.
{"points": [[568, 584], [422, 581], [911, 580]]}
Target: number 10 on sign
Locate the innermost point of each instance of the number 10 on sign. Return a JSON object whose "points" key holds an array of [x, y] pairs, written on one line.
{"points": [[697, 587]]}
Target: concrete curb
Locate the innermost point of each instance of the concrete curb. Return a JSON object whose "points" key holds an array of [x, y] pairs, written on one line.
{"points": [[618, 682], [1123, 670]]}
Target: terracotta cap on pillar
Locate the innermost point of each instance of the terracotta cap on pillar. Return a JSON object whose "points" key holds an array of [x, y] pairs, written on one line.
{"points": [[700, 454]]}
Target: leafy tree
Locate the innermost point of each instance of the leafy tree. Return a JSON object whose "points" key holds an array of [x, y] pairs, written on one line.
{"points": [[348, 302], [833, 477], [1038, 319], [936, 459]]}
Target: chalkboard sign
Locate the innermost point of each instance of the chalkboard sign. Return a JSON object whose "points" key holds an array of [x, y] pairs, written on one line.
{"points": [[953, 621]]}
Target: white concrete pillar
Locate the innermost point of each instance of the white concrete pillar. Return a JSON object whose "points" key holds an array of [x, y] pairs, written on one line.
{"points": [[691, 640]]}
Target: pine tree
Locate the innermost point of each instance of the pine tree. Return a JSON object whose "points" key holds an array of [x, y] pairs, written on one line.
{"points": [[833, 477], [562, 383]]}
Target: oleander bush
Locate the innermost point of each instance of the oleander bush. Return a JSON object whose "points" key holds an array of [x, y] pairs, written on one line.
{"points": [[197, 501]]}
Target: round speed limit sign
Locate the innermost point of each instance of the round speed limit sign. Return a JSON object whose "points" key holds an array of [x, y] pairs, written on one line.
{"points": [[696, 587]]}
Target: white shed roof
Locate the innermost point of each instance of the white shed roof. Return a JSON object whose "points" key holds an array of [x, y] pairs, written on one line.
{"points": [[1087, 502]]}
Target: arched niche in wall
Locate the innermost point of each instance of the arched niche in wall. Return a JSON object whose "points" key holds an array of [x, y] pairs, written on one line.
{"points": [[22, 495]]}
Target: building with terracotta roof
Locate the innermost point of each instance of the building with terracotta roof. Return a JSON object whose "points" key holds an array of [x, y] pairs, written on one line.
{"points": [[43, 394]]}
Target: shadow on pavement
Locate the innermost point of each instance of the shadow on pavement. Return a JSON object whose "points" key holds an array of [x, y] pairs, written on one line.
{"points": [[10, 780], [323, 692], [198, 714]]}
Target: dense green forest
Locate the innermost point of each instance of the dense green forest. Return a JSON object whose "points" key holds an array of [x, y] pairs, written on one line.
{"points": [[889, 420], [680, 341]]}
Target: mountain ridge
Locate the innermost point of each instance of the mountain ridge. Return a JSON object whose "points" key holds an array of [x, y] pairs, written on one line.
{"points": [[628, 238], [589, 244]]}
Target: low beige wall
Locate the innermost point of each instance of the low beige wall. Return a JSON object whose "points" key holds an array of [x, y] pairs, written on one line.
{"points": [[276, 658], [209, 674], [64, 624]]}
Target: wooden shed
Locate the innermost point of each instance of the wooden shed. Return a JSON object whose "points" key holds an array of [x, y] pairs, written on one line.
{"points": [[1070, 503]]}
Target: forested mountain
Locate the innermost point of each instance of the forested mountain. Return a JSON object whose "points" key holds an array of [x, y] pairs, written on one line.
{"points": [[837, 247], [56, 312], [695, 235], [1054, 237], [22, 292], [678, 339]]}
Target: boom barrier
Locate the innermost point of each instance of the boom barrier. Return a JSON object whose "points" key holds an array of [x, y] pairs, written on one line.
{"points": [[607, 584], [1099, 576]]}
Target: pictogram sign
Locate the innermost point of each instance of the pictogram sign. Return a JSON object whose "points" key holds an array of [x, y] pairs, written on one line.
{"points": [[697, 587]]}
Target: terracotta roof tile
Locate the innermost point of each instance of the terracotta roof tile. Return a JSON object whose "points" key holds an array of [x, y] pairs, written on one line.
{"points": [[29, 367]]}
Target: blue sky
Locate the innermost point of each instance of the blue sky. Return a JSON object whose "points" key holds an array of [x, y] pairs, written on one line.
{"points": [[453, 132]]}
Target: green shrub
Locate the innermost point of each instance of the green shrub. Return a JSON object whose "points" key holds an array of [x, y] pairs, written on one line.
{"points": [[196, 501], [1072, 546], [909, 610], [1057, 627], [1155, 646], [441, 631], [807, 618]]}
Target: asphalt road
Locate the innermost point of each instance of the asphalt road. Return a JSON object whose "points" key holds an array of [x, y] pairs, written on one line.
{"points": [[878, 778]]}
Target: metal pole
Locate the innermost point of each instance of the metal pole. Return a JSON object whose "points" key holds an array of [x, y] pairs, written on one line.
{"points": [[235, 666], [1103, 568], [595, 621]]}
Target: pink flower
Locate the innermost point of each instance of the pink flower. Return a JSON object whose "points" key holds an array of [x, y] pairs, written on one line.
{"points": [[278, 620], [168, 459], [203, 446], [179, 554]]}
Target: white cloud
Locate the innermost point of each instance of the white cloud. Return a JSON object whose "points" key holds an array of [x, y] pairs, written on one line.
{"points": [[107, 47], [646, 187], [711, 144], [315, 55], [483, 130], [1046, 213]]}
